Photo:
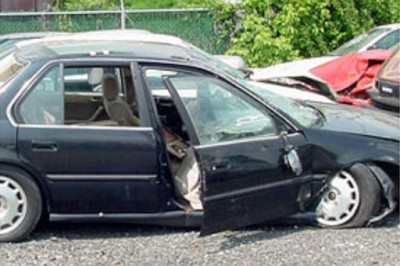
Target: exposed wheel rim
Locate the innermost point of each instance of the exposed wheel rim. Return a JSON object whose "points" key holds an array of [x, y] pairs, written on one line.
{"points": [[340, 201], [13, 204]]}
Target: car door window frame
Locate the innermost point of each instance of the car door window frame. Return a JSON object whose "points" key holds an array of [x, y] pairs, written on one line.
{"points": [[281, 123], [16, 118]]}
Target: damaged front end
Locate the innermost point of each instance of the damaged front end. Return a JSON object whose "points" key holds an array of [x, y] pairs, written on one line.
{"points": [[311, 195], [388, 192]]}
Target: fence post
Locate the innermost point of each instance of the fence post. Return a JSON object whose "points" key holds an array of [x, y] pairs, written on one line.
{"points": [[122, 14]]}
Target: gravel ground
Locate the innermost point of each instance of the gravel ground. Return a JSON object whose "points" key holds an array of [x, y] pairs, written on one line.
{"points": [[116, 244]]}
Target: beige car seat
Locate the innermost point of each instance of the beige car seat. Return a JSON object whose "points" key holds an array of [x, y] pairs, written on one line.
{"points": [[116, 108], [188, 181]]}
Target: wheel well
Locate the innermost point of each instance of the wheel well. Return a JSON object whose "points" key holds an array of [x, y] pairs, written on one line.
{"points": [[34, 177], [392, 170]]}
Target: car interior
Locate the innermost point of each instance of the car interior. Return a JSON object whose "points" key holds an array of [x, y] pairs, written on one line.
{"points": [[181, 158], [100, 96], [79, 98]]}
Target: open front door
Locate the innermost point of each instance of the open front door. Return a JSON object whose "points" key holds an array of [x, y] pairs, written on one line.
{"points": [[247, 182], [245, 179]]}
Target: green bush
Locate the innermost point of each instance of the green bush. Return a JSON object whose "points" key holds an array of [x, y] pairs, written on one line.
{"points": [[273, 31], [73, 5]]}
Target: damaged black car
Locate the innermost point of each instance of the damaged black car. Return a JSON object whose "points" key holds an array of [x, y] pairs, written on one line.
{"points": [[152, 130]]}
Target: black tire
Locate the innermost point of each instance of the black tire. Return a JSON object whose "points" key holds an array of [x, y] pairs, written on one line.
{"points": [[369, 203], [33, 205]]}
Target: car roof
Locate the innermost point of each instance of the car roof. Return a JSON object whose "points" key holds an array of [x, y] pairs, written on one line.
{"points": [[130, 35], [116, 32], [129, 43], [169, 49], [133, 44], [29, 35], [113, 48], [114, 35]]}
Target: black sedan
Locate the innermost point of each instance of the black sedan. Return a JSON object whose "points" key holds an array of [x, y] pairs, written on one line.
{"points": [[150, 129]]}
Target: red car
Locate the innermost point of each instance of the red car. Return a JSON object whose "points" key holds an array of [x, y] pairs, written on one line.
{"points": [[352, 75]]}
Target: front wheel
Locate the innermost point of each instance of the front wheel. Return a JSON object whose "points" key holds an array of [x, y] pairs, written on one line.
{"points": [[352, 197], [20, 205]]}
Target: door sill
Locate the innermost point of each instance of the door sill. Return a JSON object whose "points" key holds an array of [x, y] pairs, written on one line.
{"points": [[172, 218]]}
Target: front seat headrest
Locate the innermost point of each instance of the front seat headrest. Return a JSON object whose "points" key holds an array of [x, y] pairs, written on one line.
{"points": [[110, 87]]}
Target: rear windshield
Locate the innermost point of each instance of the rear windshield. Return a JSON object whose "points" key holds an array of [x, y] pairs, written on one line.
{"points": [[9, 67]]}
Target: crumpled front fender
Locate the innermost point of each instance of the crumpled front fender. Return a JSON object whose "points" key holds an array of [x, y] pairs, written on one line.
{"points": [[388, 192]]}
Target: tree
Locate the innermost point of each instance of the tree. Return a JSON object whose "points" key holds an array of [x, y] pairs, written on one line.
{"points": [[272, 31], [73, 5]]}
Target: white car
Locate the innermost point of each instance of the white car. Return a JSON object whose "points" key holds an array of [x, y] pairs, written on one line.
{"points": [[381, 37]]}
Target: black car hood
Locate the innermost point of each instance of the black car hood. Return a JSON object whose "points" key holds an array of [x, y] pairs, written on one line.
{"points": [[362, 121]]}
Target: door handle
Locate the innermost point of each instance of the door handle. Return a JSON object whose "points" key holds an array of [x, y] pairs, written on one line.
{"points": [[44, 146], [220, 165]]}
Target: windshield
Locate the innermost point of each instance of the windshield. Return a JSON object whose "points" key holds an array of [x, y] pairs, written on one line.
{"points": [[304, 114], [357, 43], [9, 67]]}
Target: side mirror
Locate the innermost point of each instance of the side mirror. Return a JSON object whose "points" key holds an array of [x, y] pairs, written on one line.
{"points": [[291, 157], [292, 160]]}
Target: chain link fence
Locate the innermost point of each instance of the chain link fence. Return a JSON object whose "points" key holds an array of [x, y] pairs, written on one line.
{"points": [[194, 25]]}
